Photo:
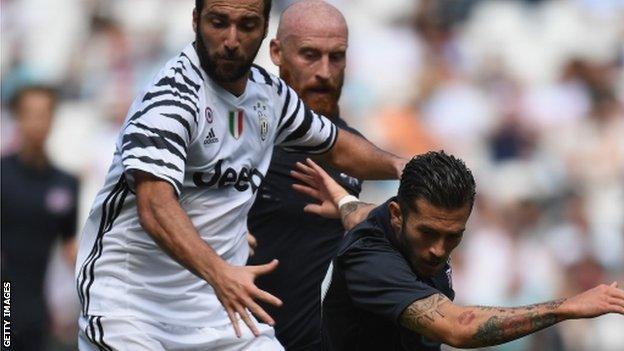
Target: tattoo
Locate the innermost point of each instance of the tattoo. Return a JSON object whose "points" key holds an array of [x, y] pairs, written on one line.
{"points": [[501, 329], [348, 210], [509, 326], [423, 312]]}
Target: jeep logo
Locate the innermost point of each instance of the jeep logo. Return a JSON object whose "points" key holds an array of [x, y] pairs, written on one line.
{"points": [[240, 180]]}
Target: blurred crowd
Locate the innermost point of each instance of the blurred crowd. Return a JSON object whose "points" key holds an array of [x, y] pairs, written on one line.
{"points": [[529, 93]]}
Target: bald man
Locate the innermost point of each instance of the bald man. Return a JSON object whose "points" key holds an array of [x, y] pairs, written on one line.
{"points": [[310, 51]]}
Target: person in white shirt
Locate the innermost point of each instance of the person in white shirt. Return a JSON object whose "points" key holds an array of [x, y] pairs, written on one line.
{"points": [[161, 257]]}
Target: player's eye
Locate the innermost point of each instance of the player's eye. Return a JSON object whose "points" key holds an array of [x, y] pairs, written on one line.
{"points": [[310, 55], [249, 25], [218, 23], [337, 56]]}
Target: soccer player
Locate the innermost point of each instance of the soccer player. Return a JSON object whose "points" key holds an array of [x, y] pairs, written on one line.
{"points": [[389, 287], [310, 51], [39, 206], [161, 259]]}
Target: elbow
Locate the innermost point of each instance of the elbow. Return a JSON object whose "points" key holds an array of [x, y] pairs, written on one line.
{"points": [[458, 337]]}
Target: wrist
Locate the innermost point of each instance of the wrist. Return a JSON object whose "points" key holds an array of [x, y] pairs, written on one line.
{"points": [[345, 200], [214, 269], [564, 310]]}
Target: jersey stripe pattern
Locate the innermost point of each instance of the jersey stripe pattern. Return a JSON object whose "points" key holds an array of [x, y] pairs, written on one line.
{"points": [[157, 136], [214, 149]]}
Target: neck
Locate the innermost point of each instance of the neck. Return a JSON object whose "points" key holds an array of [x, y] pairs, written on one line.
{"points": [[237, 88], [33, 156]]}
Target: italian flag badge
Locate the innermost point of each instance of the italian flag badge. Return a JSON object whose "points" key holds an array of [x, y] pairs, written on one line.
{"points": [[236, 123]]}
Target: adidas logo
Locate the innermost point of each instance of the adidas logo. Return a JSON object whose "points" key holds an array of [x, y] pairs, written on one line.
{"points": [[211, 138]]}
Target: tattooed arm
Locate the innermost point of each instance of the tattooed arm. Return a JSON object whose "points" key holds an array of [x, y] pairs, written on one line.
{"points": [[355, 212], [437, 318]]}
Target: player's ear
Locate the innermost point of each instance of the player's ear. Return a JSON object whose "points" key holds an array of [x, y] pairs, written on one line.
{"points": [[396, 216], [275, 51], [195, 20]]}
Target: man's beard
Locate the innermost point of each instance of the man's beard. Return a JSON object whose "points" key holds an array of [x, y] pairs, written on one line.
{"points": [[404, 247], [217, 72], [327, 104]]}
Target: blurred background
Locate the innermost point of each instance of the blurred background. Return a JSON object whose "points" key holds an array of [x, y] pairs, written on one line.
{"points": [[529, 93]]}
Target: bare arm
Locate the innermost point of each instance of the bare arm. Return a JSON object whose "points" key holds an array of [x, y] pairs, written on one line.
{"points": [[437, 318], [358, 157], [355, 212], [161, 215]]}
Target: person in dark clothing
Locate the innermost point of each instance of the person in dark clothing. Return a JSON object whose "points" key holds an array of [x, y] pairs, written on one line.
{"points": [[310, 50], [389, 286], [38, 207]]}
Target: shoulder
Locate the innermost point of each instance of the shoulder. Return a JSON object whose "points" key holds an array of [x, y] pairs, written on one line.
{"points": [[366, 236], [181, 75]]}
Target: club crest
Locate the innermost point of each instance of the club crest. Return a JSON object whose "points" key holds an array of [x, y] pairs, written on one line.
{"points": [[260, 109]]}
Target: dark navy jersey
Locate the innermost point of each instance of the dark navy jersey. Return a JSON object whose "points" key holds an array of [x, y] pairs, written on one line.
{"points": [[368, 286], [38, 207], [304, 244]]}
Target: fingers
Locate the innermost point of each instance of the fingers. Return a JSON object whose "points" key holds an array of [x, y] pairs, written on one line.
{"points": [[251, 240], [260, 313], [314, 209], [264, 268], [259, 294], [304, 178], [615, 291], [232, 316], [308, 191], [316, 168], [242, 312], [303, 168]]}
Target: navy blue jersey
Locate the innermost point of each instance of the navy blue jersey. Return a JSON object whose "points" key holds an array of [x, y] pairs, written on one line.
{"points": [[304, 243], [368, 286], [39, 206]]}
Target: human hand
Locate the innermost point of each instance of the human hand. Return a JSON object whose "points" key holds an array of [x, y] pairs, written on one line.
{"points": [[237, 293], [595, 302], [321, 186], [252, 242]]}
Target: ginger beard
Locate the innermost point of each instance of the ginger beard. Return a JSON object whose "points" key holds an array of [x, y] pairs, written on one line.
{"points": [[321, 97]]}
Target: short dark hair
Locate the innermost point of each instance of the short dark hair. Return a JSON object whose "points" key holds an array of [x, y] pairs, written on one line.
{"points": [[199, 5], [439, 178], [19, 94]]}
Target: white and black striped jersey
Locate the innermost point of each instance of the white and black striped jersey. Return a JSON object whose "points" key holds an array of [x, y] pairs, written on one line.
{"points": [[214, 148]]}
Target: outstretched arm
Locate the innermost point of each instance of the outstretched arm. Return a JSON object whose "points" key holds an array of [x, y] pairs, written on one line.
{"points": [[437, 318], [358, 157], [321, 186], [161, 215]]}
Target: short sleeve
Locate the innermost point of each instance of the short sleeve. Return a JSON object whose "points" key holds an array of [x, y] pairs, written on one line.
{"points": [[301, 129], [378, 278], [161, 126]]}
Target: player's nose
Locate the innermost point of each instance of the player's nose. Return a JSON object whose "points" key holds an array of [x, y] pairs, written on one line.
{"points": [[324, 70], [232, 40]]}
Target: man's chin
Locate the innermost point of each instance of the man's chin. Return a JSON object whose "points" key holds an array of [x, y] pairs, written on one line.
{"points": [[427, 271], [321, 104], [224, 74]]}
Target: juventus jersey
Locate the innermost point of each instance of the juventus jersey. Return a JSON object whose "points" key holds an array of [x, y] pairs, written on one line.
{"points": [[214, 149]]}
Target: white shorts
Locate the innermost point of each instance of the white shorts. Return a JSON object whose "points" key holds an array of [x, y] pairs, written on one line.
{"points": [[129, 333]]}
